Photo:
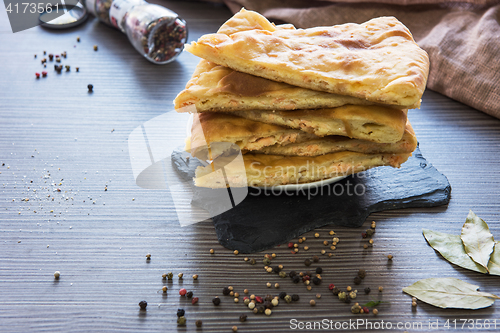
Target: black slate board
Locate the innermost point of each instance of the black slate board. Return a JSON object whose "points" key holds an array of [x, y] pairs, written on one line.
{"points": [[263, 220]]}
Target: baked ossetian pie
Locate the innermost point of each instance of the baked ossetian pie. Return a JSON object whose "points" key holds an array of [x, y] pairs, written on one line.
{"points": [[333, 144], [377, 60], [366, 122], [271, 170], [218, 88], [216, 127]]}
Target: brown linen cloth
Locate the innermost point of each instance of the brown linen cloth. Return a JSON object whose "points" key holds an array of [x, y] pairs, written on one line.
{"points": [[462, 39]]}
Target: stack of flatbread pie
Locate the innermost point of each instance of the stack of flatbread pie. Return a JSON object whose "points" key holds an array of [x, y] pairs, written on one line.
{"points": [[303, 105]]}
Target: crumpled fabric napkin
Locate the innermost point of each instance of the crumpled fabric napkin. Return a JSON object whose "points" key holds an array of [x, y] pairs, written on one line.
{"points": [[461, 37]]}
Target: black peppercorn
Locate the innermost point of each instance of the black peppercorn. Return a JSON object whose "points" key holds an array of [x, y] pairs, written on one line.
{"points": [[316, 280], [296, 279], [252, 261], [295, 297], [276, 269], [143, 305], [198, 323], [319, 270], [216, 300], [292, 274], [367, 290], [268, 298], [189, 294], [225, 291], [243, 317], [335, 291], [180, 312], [268, 305], [315, 258], [90, 87], [362, 273], [307, 262], [357, 280], [261, 309]]}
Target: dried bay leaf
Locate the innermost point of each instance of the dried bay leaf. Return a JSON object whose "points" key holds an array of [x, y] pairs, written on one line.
{"points": [[494, 263], [477, 239], [450, 293], [452, 249]]}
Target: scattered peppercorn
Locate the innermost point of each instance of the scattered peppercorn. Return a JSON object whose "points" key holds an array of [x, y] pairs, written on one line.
{"points": [[312, 302], [375, 311], [251, 305], [366, 310], [180, 312], [164, 289], [236, 300], [276, 285], [374, 224], [335, 291], [253, 261], [370, 232], [37, 75], [389, 256], [181, 321], [95, 47], [266, 261], [258, 299], [189, 294], [143, 305], [367, 290], [282, 274], [216, 300], [183, 292], [380, 288], [296, 279], [295, 297], [198, 323], [268, 312], [316, 280], [170, 275], [44, 74], [67, 68], [357, 280], [319, 270], [57, 274], [362, 273], [316, 235], [353, 294], [236, 252], [292, 274], [370, 241], [91, 87], [307, 262], [365, 246], [231, 293], [315, 259], [349, 288]]}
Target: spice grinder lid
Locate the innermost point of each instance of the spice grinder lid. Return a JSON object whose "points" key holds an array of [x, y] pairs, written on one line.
{"points": [[63, 16]]}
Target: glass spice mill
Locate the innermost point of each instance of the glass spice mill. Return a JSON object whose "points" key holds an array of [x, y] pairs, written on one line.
{"points": [[156, 32]]}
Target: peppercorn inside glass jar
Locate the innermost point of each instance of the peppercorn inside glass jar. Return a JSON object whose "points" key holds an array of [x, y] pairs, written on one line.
{"points": [[155, 31]]}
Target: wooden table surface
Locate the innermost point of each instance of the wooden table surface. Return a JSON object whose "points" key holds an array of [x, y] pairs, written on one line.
{"points": [[54, 135]]}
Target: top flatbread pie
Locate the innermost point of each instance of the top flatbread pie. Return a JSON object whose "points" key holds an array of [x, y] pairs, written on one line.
{"points": [[377, 61]]}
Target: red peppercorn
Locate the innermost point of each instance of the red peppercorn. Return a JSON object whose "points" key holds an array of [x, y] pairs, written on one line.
{"points": [[331, 286], [37, 75], [290, 245], [183, 292], [366, 310], [194, 300], [246, 297], [258, 299], [44, 73]]}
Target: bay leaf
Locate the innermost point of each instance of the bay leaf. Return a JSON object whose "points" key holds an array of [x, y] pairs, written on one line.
{"points": [[452, 249], [450, 293], [477, 239], [494, 263]]}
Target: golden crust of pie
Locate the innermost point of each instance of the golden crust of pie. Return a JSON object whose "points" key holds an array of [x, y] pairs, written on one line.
{"points": [[218, 88], [377, 60], [332, 144], [216, 127], [366, 122], [272, 170]]}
